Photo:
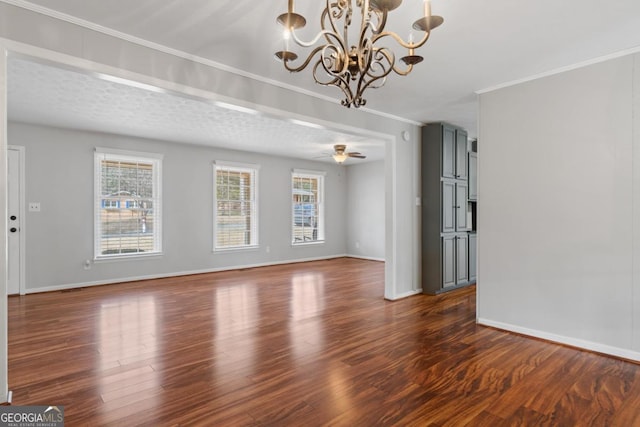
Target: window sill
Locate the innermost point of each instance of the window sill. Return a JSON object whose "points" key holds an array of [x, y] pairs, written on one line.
{"points": [[314, 243], [127, 257], [236, 249]]}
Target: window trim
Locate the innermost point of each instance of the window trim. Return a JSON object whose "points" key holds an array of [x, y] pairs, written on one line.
{"points": [[155, 159], [321, 176], [252, 169]]}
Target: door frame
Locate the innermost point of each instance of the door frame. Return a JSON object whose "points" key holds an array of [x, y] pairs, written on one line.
{"points": [[22, 215]]}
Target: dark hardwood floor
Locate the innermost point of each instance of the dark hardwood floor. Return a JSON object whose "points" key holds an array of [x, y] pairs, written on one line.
{"points": [[303, 345]]}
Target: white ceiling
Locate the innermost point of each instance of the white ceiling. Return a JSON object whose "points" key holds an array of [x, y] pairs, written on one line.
{"points": [[480, 45], [48, 95]]}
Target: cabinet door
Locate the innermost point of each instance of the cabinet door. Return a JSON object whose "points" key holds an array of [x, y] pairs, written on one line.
{"points": [[461, 206], [448, 261], [448, 152], [461, 154], [449, 218], [473, 176], [462, 264], [472, 256]]}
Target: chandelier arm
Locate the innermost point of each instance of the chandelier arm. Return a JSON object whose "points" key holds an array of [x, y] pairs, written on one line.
{"points": [[338, 81], [401, 42], [400, 72], [382, 22], [347, 20], [332, 16], [364, 84], [305, 63], [302, 43]]}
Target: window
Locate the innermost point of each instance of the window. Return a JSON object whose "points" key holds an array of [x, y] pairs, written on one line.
{"points": [[307, 195], [235, 206], [127, 204], [110, 204]]}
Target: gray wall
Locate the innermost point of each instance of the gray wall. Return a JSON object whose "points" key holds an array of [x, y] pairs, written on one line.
{"points": [[50, 38], [365, 210], [59, 175], [47, 38], [558, 223]]}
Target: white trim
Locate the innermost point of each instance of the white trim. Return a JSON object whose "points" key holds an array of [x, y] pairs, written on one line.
{"points": [[155, 159], [403, 295], [308, 243], [248, 248], [254, 172], [177, 274], [115, 152], [560, 70], [132, 257], [320, 177], [81, 65], [4, 317], [391, 225], [573, 342], [308, 172], [236, 165], [367, 258], [23, 217], [181, 54]]}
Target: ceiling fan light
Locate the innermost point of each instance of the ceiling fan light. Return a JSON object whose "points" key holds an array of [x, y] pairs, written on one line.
{"points": [[340, 157]]}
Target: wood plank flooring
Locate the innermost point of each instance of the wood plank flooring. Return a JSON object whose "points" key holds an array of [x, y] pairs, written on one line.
{"points": [[307, 344]]}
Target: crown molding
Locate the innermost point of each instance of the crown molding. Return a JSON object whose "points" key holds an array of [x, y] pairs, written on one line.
{"points": [[561, 70], [184, 55]]}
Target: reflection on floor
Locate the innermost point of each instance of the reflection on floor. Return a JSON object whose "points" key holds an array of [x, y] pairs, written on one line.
{"points": [[302, 344]]}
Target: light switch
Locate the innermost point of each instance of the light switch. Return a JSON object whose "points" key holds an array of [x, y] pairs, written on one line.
{"points": [[34, 206]]}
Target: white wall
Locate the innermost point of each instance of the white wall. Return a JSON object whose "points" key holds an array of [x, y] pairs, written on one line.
{"points": [[365, 210], [59, 175], [557, 231]]}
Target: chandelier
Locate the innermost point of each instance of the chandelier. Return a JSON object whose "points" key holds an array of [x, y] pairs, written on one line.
{"points": [[354, 68]]}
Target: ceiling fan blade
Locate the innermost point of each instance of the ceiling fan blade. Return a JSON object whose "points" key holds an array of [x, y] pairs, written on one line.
{"points": [[357, 156]]}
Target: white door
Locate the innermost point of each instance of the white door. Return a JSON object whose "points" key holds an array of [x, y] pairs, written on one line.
{"points": [[14, 218]]}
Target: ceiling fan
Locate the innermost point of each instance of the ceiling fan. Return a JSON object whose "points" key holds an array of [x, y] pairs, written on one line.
{"points": [[340, 154]]}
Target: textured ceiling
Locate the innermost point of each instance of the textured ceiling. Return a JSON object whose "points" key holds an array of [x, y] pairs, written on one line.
{"points": [[48, 95], [481, 44]]}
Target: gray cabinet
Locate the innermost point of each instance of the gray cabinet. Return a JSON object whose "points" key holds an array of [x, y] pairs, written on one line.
{"points": [[473, 256], [455, 267], [448, 261], [449, 149], [461, 154], [454, 153], [462, 263], [473, 176], [445, 195], [454, 206], [462, 191]]}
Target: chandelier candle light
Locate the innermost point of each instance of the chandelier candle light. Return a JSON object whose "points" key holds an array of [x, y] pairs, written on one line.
{"points": [[358, 67]]}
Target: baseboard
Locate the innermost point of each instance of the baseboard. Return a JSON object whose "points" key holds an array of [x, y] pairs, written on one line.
{"points": [[404, 295], [368, 258], [174, 274], [560, 339]]}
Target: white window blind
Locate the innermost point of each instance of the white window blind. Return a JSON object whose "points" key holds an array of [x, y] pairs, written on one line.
{"points": [[127, 204], [235, 206]]}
